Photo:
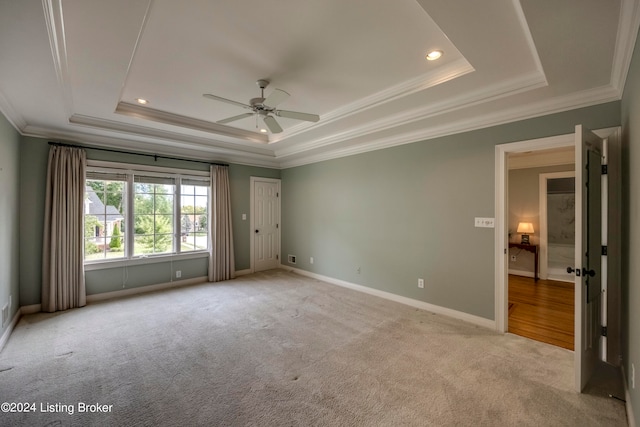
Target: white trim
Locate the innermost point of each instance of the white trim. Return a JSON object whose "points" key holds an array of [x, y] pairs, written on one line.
{"points": [[243, 272], [252, 181], [7, 333], [138, 260], [625, 42], [55, 28], [476, 320], [30, 309], [522, 273], [144, 289], [132, 110], [493, 92], [433, 78]]}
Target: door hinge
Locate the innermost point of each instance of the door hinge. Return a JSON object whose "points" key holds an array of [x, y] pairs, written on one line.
{"points": [[604, 250], [603, 332], [277, 194], [605, 170], [277, 225], [277, 257]]}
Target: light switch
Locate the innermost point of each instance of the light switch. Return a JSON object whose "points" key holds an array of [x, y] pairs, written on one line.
{"points": [[244, 217], [485, 222]]}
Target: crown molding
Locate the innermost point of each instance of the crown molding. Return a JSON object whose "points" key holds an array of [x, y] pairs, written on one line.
{"points": [[625, 43], [522, 19], [142, 131], [54, 20], [556, 105], [441, 75], [172, 147], [13, 117], [147, 113], [496, 91]]}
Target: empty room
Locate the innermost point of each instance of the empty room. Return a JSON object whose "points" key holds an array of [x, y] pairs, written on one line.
{"points": [[319, 213]]}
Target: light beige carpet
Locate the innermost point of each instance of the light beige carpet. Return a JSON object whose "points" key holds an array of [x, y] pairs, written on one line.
{"points": [[278, 349]]}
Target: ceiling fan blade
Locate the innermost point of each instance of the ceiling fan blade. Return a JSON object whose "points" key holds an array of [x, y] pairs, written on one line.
{"points": [[276, 97], [271, 123], [298, 116], [228, 101], [234, 118]]}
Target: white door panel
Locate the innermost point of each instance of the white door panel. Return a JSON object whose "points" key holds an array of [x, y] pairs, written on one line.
{"points": [[588, 259], [266, 227]]}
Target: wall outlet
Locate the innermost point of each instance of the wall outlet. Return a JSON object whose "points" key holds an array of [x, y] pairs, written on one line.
{"points": [[291, 259], [178, 274], [514, 258], [311, 260], [633, 376], [421, 283]]}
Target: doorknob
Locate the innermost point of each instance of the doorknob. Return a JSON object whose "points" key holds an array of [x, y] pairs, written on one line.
{"points": [[584, 272], [573, 270], [257, 231]]}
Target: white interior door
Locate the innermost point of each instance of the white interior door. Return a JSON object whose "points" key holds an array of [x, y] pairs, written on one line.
{"points": [[588, 258], [265, 223]]}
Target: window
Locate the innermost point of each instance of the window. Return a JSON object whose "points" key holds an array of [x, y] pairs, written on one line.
{"points": [[153, 215], [194, 203], [137, 214], [104, 216]]}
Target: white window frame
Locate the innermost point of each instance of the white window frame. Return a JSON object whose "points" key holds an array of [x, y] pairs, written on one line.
{"points": [[130, 170]]}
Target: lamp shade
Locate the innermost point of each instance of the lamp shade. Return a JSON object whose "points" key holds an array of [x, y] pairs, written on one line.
{"points": [[525, 227]]}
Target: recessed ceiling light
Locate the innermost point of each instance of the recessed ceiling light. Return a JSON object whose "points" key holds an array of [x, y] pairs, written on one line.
{"points": [[434, 54], [142, 101], [263, 130]]}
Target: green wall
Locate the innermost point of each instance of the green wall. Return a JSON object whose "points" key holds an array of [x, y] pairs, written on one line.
{"points": [[9, 219], [33, 169], [631, 228], [407, 212]]}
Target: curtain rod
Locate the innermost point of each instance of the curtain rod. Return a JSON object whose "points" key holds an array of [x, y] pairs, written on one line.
{"points": [[155, 156]]}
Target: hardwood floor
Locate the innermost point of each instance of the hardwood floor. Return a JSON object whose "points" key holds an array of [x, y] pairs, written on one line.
{"points": [[542, 310]]}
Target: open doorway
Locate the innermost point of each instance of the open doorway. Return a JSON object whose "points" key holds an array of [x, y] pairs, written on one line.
{"points": [[601, 148], [541, 224]]}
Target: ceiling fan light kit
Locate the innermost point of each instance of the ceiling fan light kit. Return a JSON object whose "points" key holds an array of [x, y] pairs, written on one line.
{"points": [[265, 108]]}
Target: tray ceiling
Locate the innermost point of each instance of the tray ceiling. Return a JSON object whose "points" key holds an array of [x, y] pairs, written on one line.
{"points": [[73, 70]]}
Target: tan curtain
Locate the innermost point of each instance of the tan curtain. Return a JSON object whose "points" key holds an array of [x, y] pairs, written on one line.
{"points": [[221, 259], [63, 284]]}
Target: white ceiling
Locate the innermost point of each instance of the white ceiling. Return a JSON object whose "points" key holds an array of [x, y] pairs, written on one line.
{"points": [[71, 70]]}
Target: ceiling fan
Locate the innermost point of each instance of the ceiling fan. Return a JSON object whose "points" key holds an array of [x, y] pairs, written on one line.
{"points": [[265, 108]]}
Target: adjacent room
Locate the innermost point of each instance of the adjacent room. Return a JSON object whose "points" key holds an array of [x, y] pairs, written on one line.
{"points": [[319, 212]]}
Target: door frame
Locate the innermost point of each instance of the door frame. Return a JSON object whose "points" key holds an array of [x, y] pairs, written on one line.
{"points": [[501, 224], [252, 181]]}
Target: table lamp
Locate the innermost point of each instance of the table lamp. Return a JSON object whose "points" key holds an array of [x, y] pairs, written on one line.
{"points": [[525, 228]]}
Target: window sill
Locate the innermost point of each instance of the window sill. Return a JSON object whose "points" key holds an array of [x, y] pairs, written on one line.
{"points": [[153, 259]]}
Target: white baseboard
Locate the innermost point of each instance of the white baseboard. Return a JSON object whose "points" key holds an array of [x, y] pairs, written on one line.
{"points": [[243, 272], [9, 330], [145, 289], [30, 309], [631, 420], [521, 273], [476, 320]]}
